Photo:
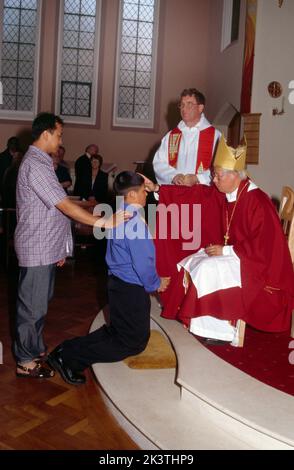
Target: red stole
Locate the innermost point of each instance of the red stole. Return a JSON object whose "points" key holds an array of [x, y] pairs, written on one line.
{"points": [[205, 148]]}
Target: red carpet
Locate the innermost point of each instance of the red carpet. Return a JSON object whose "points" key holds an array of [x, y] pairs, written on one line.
{"points": [[265, 356]]}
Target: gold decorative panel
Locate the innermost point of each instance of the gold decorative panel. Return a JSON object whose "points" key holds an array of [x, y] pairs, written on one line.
{"points": [[251, 130]]}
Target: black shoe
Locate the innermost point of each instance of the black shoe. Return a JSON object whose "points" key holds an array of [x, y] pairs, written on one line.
{"points": [[55, 360], [214, 342]]}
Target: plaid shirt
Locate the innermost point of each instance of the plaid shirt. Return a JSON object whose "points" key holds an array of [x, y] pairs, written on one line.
{"points": [[43, 233]]}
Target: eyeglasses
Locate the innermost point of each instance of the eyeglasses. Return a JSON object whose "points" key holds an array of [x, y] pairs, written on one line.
{"points": [[188, 105], [218, 176]]}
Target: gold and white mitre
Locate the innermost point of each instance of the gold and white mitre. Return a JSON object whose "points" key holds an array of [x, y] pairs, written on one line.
{"points": [[229, 158]]}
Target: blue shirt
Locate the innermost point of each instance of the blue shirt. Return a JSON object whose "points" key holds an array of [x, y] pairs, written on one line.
{"points": [[131, 254]]}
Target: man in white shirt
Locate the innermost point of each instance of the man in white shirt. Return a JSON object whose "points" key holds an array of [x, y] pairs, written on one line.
{"points": [[186, 152]]}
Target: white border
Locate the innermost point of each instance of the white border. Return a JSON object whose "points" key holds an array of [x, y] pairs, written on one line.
{"points": [[137, 123]]}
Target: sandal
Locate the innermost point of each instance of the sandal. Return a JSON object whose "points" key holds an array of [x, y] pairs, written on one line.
{"points": [[38, 372], [41, 358]]}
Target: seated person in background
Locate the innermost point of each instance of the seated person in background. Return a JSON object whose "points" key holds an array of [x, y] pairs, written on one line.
{"points": [[83, 168], [132, 276], [95, 186], [61, 153], [61, 172], [99, 180]]}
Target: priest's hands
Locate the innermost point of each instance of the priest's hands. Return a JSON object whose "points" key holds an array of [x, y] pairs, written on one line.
{"points": [[149, 185], [214, 250], [185, 180], [164, 283], [190, 180], [179, 179]]}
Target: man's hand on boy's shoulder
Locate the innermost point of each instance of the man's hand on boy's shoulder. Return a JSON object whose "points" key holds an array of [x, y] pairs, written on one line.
{"points": [[164, 283]]}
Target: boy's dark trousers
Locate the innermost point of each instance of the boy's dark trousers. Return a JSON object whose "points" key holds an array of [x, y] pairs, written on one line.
{"points": [[127, 334]]}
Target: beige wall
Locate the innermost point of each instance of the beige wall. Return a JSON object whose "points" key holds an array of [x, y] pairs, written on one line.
{"points": [[182, 63], [224, 71], [274, 61]]}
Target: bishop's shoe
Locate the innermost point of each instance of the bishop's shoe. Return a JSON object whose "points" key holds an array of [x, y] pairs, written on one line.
{"points": [[55, 360]]}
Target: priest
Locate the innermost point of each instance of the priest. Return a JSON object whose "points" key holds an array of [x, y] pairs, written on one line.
{"points": [[185, 154]]}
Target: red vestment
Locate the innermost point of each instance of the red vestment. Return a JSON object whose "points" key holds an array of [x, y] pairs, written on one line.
{"points": [[170, 251]]}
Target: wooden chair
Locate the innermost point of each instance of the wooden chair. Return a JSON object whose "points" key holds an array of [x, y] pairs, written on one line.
{"points": [[286, 210], [291, 248], [286, 214]]}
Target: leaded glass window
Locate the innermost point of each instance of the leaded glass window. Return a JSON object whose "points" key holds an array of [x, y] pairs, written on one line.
{"points": [[19, 41], [136, 63], [78, 64]]}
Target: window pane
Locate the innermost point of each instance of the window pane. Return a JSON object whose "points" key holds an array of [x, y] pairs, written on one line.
{"points": [[87, 24], [9, 51], [11, 16], [88, 7], [127, 78], [86, 57], [18, 54], [130, 11], [12, 3], [72, 6], [134, 98], [71, 22], [30, 4], [28, 17], [146, 13]]}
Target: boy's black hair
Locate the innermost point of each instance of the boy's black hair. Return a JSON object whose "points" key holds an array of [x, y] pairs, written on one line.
{"points": [[127, 181], [44, 122]]}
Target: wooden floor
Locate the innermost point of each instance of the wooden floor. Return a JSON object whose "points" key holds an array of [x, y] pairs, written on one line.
{"points": [[49, 414]]}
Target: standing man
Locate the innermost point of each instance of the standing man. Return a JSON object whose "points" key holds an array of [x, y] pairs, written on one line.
{"points": [[83, 169], [42, 240], [185, 154]]}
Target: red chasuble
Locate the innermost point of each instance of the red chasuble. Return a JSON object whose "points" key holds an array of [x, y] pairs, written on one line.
{"points": [[205, 148], [266, 298], [170, 251]]}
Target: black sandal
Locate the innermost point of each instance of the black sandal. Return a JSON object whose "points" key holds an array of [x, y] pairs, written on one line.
{"points": [[38, 372]]}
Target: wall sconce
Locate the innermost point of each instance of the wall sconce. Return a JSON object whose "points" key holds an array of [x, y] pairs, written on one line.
{"points": [[275, 91], [276, 112]]}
